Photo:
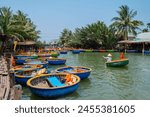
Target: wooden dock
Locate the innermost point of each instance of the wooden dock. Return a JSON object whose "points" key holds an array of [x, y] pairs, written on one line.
{"points": [[8, 90]]}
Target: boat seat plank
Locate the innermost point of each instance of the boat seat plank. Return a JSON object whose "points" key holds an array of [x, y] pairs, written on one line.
{"points": [[54, 81]]}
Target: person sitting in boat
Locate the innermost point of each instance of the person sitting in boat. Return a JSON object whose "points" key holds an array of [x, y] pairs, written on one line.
{"points": [[108, 58]]}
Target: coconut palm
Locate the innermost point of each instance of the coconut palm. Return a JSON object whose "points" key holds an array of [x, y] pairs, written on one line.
{"points": [[28, 29], [65, 37], [124, 23], [6, 28], [15, 26]]}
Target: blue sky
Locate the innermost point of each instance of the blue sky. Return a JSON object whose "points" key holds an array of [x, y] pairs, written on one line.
{"points": [[52, 16]]}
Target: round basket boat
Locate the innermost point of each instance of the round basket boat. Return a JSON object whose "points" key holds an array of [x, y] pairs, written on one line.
{"points": [[54, 54], [53, 85], [118, 63], [37, 62], [82, 72], [20, 61], [34, 56], [56, 61], [21, 77], [44, 55], [63, 52], [26, 67], [76, 51]]}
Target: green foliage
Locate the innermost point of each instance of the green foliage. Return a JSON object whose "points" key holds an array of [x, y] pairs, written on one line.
{"points": [[94, 35], [16, 26], [65, 37], [124, 23]]}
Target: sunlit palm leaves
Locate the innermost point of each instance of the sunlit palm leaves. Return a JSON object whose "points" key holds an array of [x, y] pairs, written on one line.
{"points": [[124, 23], [16, 26]]}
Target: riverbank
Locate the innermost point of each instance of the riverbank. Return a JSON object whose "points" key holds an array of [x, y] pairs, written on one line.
{"points": [[8, 89]]}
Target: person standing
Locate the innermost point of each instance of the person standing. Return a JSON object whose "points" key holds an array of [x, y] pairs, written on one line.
{"points": [[121, 55]]}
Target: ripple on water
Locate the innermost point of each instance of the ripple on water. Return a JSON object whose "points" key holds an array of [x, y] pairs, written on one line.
{"points": [[130, 82]]}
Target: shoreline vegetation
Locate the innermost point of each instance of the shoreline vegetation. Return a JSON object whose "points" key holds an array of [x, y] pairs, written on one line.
{"points": [[95, 37], [18, 27]]}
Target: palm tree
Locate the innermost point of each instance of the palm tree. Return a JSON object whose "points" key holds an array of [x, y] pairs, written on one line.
{"points": [[65, 37], [16, 26], [124, 23], [6, 28], [28, 29]]}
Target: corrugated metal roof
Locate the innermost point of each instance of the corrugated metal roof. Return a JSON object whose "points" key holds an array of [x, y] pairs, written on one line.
{"points": [[143, 37]]}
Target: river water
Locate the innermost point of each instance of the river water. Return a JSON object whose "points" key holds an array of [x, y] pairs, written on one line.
{"points": [[131, 82]]}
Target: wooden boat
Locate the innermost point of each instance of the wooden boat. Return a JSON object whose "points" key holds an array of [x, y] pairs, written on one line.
{"points": [[37, 62], [82, 72], [76, 51], [56, 61], [118, 63], [21, 77], [53, 85], [26, 67]]}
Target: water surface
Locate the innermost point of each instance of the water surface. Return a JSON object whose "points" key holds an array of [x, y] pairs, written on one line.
{"points": [[131, 82]]}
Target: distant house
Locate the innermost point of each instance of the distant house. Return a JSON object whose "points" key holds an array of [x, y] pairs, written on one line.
{"points": [[142, 39]]}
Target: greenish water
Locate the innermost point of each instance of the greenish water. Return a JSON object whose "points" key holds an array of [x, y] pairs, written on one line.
{"points": [[131, 82]]}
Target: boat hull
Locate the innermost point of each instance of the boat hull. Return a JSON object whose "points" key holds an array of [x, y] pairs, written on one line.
{"points": [[76, 51], [26, 57], [63, 52], [51, 92], [118, 63], [45, 64], [20, 61], [57, 61], [22, 80], [82, 75]]}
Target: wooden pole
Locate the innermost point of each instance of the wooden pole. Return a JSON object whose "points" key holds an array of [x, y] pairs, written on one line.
{"points": [[143, 48]]}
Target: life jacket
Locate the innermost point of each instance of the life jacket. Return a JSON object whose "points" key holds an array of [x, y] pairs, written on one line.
{"points": [[68, 78]]}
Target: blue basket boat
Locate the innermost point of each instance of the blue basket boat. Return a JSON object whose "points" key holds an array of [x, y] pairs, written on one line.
{"points": [[63, 52], [37, 62], [82, 72], [56, 61], [26, 67], [76, 51], [20, 61], [21, 77], [53, 85], [34, 56]]}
